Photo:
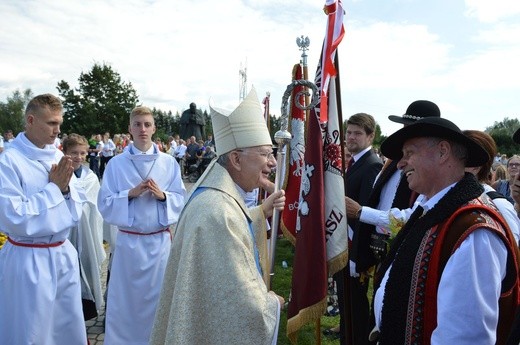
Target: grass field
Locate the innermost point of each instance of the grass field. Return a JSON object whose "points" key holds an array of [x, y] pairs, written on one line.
{"points": [[282, 286]]}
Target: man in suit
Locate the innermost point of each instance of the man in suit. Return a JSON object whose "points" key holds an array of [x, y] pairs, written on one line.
{"points": [[390, 191], [361, 173]]}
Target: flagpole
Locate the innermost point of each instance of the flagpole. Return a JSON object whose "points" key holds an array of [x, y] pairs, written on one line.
{"points": [[348, 324], [282, 138], [303, 43]]}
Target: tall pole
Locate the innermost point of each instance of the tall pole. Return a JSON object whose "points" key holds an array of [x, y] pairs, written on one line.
{"points": [[303, 44]]}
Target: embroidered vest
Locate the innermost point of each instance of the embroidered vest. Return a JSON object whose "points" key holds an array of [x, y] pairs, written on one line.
{"points": [[450, 235]]}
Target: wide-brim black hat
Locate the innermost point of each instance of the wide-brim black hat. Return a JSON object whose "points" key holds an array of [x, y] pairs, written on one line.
{"points": [[433, 127], [416, 111], [516, 136]]}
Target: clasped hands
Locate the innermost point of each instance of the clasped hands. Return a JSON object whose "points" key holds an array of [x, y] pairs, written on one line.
{"points": [[147, 185], [61, 173]]}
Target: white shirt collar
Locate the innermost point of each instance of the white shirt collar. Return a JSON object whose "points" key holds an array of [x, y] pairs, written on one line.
{"points": [[428, 204], [358, 155]]}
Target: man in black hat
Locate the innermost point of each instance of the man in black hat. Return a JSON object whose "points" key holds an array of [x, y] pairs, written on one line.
{"points": [[451, 265]]}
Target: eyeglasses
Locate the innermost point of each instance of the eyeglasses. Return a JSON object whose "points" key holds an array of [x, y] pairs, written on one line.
{"points": [[268, 155], [513, 165]]}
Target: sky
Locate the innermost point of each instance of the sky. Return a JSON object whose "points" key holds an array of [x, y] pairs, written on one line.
{"points": [[464, 55]]}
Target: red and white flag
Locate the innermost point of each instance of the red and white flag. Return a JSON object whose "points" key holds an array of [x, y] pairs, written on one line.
{"points": [[333, 36], [294, 158], [265, 102], [321, 237]]}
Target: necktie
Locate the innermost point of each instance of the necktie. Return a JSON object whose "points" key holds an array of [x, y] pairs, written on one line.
{"points": [[350, 163]]}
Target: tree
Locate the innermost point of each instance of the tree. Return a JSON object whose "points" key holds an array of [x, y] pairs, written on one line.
{"points": [[102, 103], [208, 129], [12, 112], [275, 124], [164, 123], [502, 132]]}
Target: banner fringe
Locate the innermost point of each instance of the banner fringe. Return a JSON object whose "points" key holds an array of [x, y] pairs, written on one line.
{"points": [[337, 263], [305, 316]]}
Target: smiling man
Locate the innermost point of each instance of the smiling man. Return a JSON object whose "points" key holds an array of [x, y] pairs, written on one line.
{"points": [[214, 290], [449, 277], [87, 238], [142, 194], [39, 272]]}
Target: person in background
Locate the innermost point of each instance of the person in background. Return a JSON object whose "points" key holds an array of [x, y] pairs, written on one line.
{"points": [[87, 238], [206, 159], [514, 337], [107, 152], [503, 159], [142, 193], [118, 141], [190, 157], [39, 270], [95, 147], [505, 208], [8, 139], [221, 251], [209, 141], [504, 186], [362, 170], [159, 144], [500, 173]]}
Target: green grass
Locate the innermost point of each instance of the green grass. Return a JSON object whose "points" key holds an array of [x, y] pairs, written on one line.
{"points": [[282, 286]]}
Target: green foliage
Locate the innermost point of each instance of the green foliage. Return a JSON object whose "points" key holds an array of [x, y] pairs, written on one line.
{"points": [[379, 138], [208, 128], [165, 124], [275, 123], [502, 132], [12, 112], [102, 102]]}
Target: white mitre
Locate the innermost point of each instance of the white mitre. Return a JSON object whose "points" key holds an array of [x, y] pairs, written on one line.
{"points": [[243, 127]]}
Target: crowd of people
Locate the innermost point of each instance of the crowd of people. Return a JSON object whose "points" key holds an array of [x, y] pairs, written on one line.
{"points": [[191, 153], [433, 221]]}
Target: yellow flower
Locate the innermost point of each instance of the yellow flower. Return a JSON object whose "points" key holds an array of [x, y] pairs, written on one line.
{"points": [[396, 224], [3, 239]]}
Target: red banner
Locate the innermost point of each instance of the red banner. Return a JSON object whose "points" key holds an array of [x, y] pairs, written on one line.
{"points": [[321, 225], [309, 281], [294, 158]]}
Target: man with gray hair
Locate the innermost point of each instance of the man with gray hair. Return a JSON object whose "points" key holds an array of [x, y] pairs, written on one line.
{"points": [[454, 251], [214, 290]]}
